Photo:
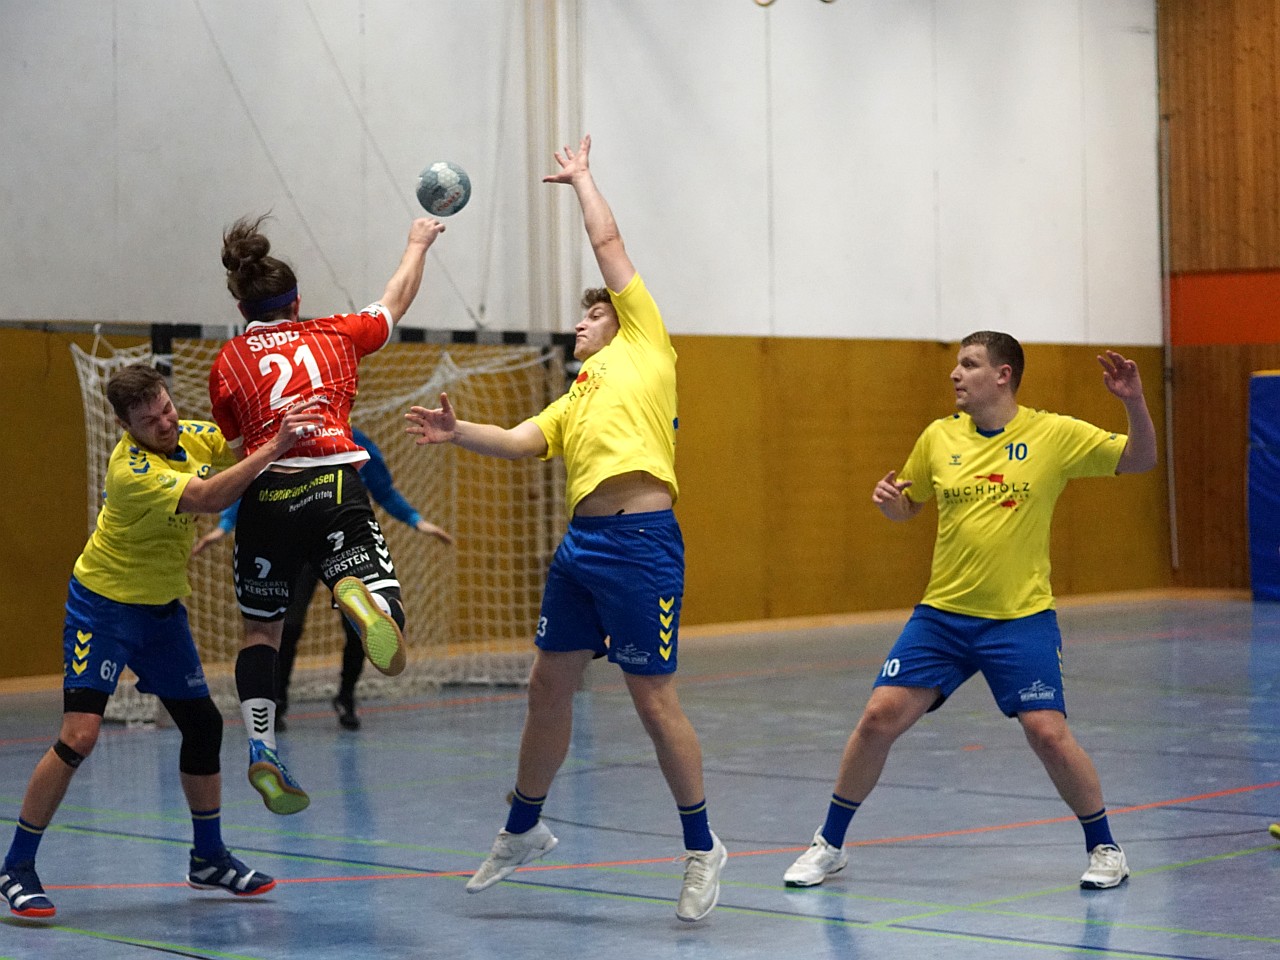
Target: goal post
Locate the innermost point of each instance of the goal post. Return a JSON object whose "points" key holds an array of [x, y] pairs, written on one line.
{"points": [[471, 608]]}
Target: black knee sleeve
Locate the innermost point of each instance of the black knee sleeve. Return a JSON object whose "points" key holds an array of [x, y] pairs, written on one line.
{"points": [[200, 723], [81, 700], [67, 755], [256, 672]]}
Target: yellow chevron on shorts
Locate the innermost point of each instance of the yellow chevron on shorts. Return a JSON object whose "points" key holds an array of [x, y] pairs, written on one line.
{"points": [[81, 651], [666, 618]]}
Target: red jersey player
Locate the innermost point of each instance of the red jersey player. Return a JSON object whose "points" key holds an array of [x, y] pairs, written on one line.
{"points": [[310, 506]]}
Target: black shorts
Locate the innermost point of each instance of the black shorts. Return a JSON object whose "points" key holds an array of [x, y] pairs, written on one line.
{"points": [[321, 517]]}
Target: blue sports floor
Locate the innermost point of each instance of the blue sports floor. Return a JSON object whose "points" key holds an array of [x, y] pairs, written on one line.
{"points": [[964, 851]]}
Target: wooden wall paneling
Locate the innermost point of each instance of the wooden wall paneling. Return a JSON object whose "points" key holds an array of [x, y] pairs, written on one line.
{"points": [[720, 463], [808, 468], [1220, 93], [1109, 533], [45, 521], [828, 543], [901, 387], [1210, 398]]}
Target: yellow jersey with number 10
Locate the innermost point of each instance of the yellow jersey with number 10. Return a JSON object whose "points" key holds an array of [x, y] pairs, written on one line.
{"points": [[620, 413], [996, 496]]}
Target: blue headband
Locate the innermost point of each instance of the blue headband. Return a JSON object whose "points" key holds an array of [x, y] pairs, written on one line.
{"points": [[258, 308]]}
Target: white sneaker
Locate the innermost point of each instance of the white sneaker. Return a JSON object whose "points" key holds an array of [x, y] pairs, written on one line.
{"points": [[817, 863], [1107, 868], [701, 889], [509, 851]]}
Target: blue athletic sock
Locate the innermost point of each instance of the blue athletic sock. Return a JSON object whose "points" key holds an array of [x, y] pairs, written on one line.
{"points": [[207, 828], [1096, 830], [26, 840], [839, 814], [525, 812], [697, 831]]}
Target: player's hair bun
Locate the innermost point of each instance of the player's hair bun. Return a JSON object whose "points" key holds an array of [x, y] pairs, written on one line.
{"points": [[244, 249]]}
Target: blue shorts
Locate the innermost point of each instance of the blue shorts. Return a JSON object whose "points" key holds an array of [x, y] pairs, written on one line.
{"points": [[620, 577], [1021, 659], [101, 636]]}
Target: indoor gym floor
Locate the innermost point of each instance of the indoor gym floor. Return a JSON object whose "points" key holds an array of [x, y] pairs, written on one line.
{"points": [[963, 851]]}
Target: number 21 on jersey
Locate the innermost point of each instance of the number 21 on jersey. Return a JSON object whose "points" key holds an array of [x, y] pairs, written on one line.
{"points": [[284, 370]]}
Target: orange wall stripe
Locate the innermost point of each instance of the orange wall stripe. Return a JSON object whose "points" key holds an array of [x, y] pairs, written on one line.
{"points": [[1225, 308]]}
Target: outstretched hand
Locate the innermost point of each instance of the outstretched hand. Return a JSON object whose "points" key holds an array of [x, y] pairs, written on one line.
{"points": [[432, 426], [1121, 376], [424, 231], [572, 164], [204, 542], [431, 530]]}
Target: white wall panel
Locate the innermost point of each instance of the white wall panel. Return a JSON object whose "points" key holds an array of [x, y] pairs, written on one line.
{"points": [[854, 153], [1009, 167], [675, 101], [1122, 202], [57, 158], [864, 168]]}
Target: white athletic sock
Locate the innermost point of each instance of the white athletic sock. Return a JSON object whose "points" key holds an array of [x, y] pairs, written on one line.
{"points": [[259, 716]]}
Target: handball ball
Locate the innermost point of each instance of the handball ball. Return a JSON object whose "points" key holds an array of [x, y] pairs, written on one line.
{"points": [[443, 189]]}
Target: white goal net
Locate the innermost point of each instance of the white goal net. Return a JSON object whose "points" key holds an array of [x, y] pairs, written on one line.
{"points": [[470, 608]]}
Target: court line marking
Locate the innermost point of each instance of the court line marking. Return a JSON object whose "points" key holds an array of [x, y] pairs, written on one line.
{"points": [[892, 925], [897, 924], [175, 949], [879, 841]]}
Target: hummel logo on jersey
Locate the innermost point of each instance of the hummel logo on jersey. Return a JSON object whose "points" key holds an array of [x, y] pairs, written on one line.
{"points": [[1036, 692], [955, 459]]}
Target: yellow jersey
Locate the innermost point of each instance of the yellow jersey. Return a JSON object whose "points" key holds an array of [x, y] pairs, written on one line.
{"points": [[996, 495], [620, 413], [140, 545]]}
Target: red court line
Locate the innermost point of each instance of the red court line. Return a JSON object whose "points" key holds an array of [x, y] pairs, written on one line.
{"points": [[882, 841], [417, 875], [970, 831]]}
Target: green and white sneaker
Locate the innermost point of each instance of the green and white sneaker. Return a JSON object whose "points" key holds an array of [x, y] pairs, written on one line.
{"points": [[379, 633], [280, 792]]}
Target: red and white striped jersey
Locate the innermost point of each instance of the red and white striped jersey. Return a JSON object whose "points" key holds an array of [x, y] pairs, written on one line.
{"points": [[260, 374]]}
